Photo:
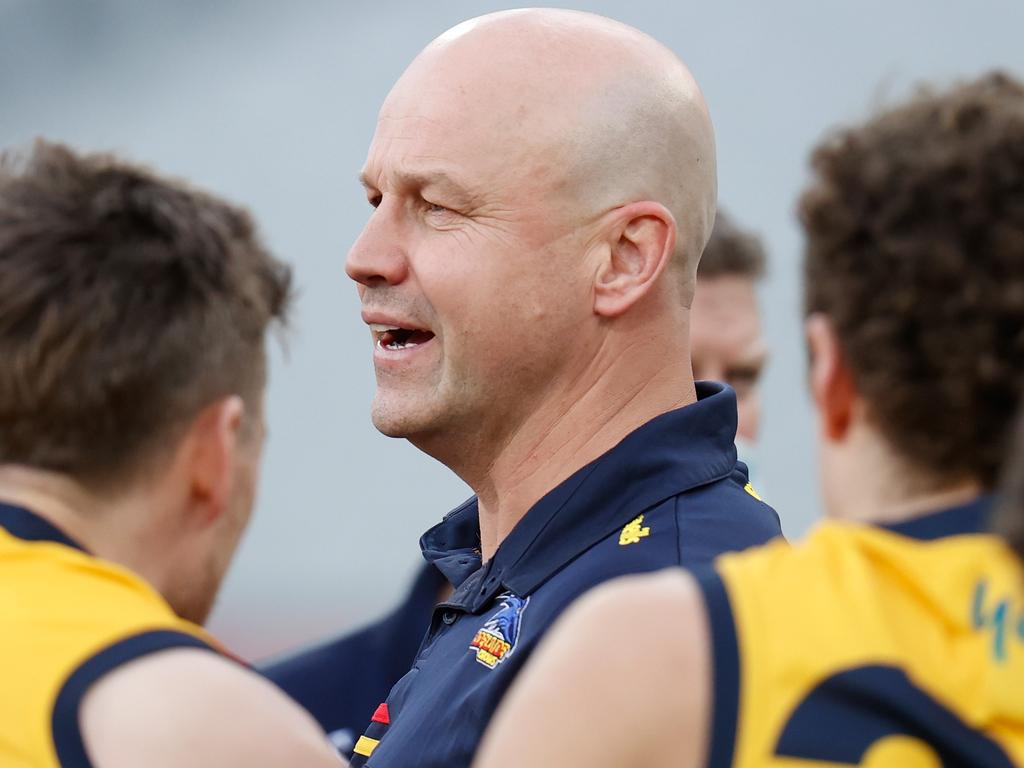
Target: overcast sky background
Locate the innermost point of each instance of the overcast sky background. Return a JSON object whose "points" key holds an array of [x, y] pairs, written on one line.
{"points": [[273, 105]]}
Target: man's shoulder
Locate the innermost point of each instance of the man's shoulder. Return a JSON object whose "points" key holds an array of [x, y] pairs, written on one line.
{"points": [[77, 603], [196, 689], [688, 529], [732, 494], [727, 515], [691, 528]]}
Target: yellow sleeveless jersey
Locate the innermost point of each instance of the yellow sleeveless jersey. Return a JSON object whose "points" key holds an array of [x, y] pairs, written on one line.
{"points": [[884, 646], [66, 619]]}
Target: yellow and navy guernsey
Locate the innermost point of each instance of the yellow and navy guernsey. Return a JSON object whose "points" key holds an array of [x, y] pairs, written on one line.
{"points": [[671, 493], [67, 619], [898, 645]]}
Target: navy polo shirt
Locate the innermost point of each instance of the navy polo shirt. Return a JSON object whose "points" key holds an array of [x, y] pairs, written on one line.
{"points": [[671, 493]]}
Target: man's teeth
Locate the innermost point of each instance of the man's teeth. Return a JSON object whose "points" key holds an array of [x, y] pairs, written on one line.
{"points": [[397, 338], [396, 344]]}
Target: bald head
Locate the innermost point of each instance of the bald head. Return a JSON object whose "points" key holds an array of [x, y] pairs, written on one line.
{"points": [[590, 112], [544, 184]]}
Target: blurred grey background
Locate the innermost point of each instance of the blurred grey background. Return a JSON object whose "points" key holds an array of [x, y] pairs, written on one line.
{"points": [[273, 105]]}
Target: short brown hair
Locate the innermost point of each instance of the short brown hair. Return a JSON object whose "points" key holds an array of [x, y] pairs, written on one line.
{"points": [[732, 252], [128, 302], [915, 251], [1010, 522]]}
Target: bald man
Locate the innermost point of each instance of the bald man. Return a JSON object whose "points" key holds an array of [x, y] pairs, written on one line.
{"points": [[726, 338], [543, 184]]}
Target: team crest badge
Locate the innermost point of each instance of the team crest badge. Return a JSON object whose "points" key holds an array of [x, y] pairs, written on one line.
{"points": [[496, 639]]}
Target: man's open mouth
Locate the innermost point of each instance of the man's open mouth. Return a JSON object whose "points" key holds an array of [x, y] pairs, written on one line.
{"points": [[394, 338]]}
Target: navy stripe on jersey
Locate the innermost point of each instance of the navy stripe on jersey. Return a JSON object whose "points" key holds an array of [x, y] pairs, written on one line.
{"points": [[67, 737], [29, 526], [851, 711], [725, 681], [967, 519]]}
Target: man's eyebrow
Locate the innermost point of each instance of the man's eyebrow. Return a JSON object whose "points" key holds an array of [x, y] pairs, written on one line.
{"points": [[423, 179]]}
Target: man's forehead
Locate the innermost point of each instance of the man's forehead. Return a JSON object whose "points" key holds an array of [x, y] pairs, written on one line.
{"points": [[431, 94], [466, 153], [418, 131], [725, 316], [446, 104], [417, 150]]}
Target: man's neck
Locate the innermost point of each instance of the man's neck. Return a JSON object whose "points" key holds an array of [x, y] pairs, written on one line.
{"points": [[57, 499], [568, 432], [105, 527], [876, 486], [892, 509]]}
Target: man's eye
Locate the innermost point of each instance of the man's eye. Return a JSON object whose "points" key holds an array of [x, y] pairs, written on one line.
{"points": [[374, 200], [743, 380], [439, 215]]}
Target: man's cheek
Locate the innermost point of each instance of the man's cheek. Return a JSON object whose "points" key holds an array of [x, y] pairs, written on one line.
{"points": [[748, 408]]}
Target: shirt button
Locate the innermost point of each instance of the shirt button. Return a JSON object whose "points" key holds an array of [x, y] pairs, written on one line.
{"points": [[449, 617]]}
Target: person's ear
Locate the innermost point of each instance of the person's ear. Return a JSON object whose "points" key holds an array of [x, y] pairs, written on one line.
{"points": [[831, 381], [213, 441], [640, 239]]}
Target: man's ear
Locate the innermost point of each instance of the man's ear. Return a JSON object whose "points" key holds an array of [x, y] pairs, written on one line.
{"points": [[640, 239], [212, 447], [831, 381]]}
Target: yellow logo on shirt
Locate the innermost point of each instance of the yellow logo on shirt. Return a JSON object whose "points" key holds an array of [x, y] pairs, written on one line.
{"points": [[633, 532], [750, 489]]}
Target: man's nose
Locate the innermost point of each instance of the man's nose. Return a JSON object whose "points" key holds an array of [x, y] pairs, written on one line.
{"points": [[378, 256]]}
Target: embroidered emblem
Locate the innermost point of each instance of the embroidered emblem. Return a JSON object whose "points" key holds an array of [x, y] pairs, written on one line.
{"points": [[750, 489], [496, 639], [633, 532]]}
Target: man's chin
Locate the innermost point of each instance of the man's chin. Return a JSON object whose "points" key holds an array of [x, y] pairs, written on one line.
{"points": [[390, 430], [392, 422], [421, 421]]}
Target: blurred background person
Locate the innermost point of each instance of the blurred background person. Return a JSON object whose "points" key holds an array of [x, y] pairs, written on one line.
{"points": [[726, 335], [341, 681], [133, 311], [891, 635]]}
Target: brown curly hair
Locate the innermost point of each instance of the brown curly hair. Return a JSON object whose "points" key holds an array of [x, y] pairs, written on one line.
{"points": [[915, 251]]}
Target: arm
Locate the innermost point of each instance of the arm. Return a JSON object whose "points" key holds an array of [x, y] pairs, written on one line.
{"points": [[623, 679], [189, 707]]}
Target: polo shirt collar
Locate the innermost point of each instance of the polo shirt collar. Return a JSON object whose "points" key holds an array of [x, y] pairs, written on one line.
{"points": [[674, 452]]}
